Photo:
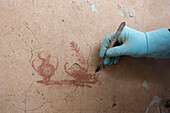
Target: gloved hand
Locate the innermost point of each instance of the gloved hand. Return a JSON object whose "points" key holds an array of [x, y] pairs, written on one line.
{"points": [[155, 44]]}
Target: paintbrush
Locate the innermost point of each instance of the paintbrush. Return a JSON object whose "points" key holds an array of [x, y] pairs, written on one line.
{"points": [[112, 42]]}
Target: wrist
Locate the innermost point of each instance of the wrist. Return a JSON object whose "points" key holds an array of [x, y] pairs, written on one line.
{"points": [[158, 43]]}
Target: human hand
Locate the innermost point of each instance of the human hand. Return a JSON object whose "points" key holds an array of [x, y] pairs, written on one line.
{"points": [[137, 44]]}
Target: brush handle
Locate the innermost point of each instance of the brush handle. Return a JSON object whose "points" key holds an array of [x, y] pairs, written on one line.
{"points": [[116, 36], [112, 42]]}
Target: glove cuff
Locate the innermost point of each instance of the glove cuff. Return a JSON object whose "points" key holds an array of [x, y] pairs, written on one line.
{"points": [[158, 43]]}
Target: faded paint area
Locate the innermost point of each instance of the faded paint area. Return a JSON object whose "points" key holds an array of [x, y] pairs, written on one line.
{"points": [[122, 12], [131, 13], [70, 1], [163, 105], [145, 84], [49, 51], [155, 100]]}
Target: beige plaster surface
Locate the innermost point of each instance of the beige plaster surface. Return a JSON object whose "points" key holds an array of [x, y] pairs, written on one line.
{"points": [[30, 27]]}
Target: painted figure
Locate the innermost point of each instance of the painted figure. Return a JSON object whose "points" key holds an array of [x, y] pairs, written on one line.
{"points": [[78, 71], [46, 70]]}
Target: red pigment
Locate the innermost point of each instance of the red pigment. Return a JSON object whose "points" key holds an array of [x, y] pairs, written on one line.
{"points": [[81, 76], [46, 70]]}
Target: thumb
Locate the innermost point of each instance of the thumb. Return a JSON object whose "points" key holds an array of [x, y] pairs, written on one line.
{"points": [[116, 51]]}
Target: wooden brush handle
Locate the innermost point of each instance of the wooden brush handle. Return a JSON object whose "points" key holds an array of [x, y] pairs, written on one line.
{"points": [[116, 36]]}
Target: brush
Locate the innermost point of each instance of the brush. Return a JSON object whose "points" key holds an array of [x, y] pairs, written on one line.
{"points": [[112, 43]]}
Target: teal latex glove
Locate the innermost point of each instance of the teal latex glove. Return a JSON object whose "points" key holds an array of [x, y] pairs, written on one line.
{"points": [[155, 44]]}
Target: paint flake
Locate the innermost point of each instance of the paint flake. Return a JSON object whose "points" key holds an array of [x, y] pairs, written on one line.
{"points": [[70, 1], [145, 84], [94, 9]]}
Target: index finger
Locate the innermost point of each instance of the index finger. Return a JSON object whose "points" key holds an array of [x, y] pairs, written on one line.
{"points": [[105, 44]]}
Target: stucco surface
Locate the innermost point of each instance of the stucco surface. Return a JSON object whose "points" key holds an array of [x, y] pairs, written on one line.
{"points": [[59, 40]]}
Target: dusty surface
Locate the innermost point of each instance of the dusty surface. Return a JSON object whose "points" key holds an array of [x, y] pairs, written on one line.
{"points": [[49, 51]]}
